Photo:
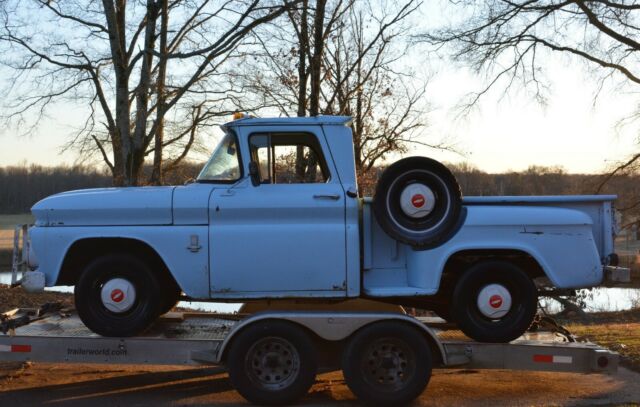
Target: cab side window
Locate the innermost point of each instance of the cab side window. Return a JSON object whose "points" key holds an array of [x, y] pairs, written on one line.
{"points": [[288, 158]]}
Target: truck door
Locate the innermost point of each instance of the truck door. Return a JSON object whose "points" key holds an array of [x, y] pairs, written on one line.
{"points": [[286, 235]]}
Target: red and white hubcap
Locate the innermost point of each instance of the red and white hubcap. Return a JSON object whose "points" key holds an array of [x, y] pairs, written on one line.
{"points": [[494, 301], [118, 295], [417, 200]]}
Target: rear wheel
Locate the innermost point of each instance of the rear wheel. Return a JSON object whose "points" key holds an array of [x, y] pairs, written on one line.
{"points": [[387, 363], [418, 202], [272, 362], [494, 301], [118, 295]]}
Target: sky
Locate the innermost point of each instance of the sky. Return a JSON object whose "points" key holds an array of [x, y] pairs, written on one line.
{"points": [[503, 134], [514, 132]]}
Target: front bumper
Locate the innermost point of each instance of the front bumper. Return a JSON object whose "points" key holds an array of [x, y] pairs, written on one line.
{"points": [[33, 281]]}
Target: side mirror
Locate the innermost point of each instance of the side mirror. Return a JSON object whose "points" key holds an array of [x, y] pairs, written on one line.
{"points": [[254, 173]]}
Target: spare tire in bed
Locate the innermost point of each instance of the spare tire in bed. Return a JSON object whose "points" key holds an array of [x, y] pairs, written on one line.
{"points": [[418, 202]]}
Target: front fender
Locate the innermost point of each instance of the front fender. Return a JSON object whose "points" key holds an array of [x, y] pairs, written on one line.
{"points": [[189, 268]]}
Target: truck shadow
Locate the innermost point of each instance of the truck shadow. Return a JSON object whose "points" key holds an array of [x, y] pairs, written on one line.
{"points": [[209, 385], [165, 387]]}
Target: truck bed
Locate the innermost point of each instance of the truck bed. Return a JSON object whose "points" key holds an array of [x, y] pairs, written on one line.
{"points": [[598, 207], [544, 227]]}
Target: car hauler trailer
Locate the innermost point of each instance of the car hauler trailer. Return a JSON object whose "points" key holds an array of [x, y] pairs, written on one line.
{"points": [[273, 356]]}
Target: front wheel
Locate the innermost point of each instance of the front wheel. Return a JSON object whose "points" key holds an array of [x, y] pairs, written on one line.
{"points": [[387, 363], [117, 295], [494, 301], [272, 362]]}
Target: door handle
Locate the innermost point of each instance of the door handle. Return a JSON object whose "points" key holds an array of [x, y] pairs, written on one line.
{"points": [[335, 197]]}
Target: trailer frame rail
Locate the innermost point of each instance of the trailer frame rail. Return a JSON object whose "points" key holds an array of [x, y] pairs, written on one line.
{"points": [[200, 338]]}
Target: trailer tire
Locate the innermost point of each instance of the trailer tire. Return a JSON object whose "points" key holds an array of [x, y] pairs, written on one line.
{"points": [[418, 202], [494, 301], [117, 295], [387, 363], [272, 362]]}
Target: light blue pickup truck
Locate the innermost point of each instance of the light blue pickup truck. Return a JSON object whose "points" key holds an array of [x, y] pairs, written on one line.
{"points": [[275, 213]]}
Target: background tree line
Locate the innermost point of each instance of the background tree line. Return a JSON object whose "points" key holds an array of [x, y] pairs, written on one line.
{"points": [[22, 186]]}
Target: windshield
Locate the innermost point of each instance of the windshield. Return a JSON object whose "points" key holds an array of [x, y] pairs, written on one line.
{"points": [[224, 164]]}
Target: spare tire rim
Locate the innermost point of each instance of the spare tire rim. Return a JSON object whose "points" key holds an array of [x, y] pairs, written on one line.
{"points": [[388, 364], [417, 200], [272, 363], [494, 301], [440, 203], [118, 295]]}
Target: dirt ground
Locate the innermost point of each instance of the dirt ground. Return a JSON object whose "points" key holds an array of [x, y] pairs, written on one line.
{"points": [[17, 298], [115, 385]]}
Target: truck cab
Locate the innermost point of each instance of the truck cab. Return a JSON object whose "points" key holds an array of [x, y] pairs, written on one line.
{"points": [[289, 228]]}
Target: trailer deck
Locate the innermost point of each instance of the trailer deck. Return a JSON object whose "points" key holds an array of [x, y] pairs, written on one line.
{"points": [[195, 338]]}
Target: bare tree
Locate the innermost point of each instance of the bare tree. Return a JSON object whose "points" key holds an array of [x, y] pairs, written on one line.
{"points": [[362, 81], [104, 55], [511, 39], [350, 64]]}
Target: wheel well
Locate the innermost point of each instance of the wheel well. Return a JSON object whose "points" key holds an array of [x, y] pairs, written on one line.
{"points": [[330, 352], [462, 260], [318, 341], [436, 352], [83, 251]]}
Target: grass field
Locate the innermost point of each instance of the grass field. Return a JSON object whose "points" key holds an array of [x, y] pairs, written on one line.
{"points": [[7, 225], [619, 331], [8, 222]]}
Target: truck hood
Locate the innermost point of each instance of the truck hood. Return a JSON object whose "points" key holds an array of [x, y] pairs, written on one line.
{"points": [[106, 207]]}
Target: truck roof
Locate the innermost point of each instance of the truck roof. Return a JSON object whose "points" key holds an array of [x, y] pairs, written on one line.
{"points": [[261, 121]]}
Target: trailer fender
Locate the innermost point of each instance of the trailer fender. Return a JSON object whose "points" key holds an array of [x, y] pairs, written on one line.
{"points": [[333, 326]]}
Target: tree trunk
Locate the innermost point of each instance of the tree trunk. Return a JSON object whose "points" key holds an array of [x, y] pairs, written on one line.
{"points": [[316, 59], [157, 177], [303, 47], [142, 95], [302, 60], [115, 16]]}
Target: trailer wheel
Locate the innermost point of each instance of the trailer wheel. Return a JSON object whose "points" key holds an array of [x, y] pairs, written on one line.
{"points": [[117, 295], [418, 202], [272, 363], [494, 301], [387, 363]]}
